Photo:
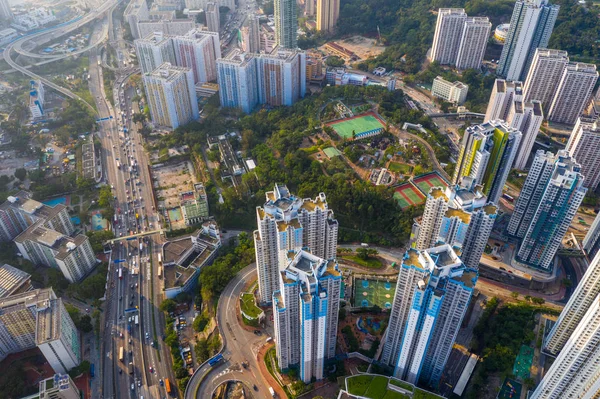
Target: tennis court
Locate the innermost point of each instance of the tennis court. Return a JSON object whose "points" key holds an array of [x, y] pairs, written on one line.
{"points": [[370, 291], [428, 180], [362, 125], [408, 195], [332, 152], [522, 366]]}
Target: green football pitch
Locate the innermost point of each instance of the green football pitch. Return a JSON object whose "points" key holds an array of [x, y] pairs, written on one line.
{"points": [[358, 125], [369, 292]]}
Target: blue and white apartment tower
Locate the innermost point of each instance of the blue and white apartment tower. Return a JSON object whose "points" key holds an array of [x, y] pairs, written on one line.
{"points": [[36, 98], [432, 296], [305, 313]]}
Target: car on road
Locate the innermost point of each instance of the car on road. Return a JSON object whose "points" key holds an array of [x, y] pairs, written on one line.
{"points": [[161, 382], [257, 332], [151, 369], [139, 383], [132, 387]]}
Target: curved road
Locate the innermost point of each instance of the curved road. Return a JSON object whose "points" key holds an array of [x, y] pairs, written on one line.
{"points": [[239, 345]]}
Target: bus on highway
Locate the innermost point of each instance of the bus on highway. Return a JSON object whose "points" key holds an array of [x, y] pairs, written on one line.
{"points": [[92, 373], [120, 273], [167, 385], [130, 368], [137, 320], [121, 354], [160, 271], [215, 360]]}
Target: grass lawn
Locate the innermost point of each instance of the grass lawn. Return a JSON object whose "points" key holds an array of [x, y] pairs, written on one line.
{"points": [[377, 388], [370, 263], [421, 394], [247, 305], [400, 168], [402, 384], [359, 384]]}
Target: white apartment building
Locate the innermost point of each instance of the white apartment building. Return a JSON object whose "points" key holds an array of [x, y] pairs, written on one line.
{"points": [[506, 103], [286, 23], [475, 35], [584, 146], [573, 92], [36, 98], [173, 27], [136, 11], [531, 25], [199, 51], [288, 223], [427, 317], [281, 77], [544, 75], [39, 318], [305, 310], [574, 373], [238, 86], [454, 92], [61, 386], [328, 12], [154, 50], [459, 216], [579, 303], [212, 17], [591, 242], [171, 95], [448, 31], [552, 213]]}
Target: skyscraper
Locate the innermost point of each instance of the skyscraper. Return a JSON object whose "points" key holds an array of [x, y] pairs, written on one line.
{"points": [[328, 12], [288, 223], [212, 17], [562, 194], [544, 75], [448, 32], [199, 51], [251, 34], [432, 296], [487, 154], [475, 35], [38, 318], [281, 77], [531, 25], [286, 24], [584, 146], [459, 216], [579, 303], [5, 12], [305, 311], [574, 373], [309, 7], [171, 95], [238, 85], [591, 242], [154, 50], [573, 92], [136, 11], [506, 104]]}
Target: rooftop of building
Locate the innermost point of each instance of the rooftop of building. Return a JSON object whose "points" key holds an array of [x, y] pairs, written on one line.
{"points": [[468, 278], [286, 55], [59, 242], [490, 209], [38, 298], [331, 269], [13, 280], [283, 225], [48, 322], [237, 57], [177, 276], [155, 38], [181, 251], [582, 67], [457, 84], [502, 86], [168, 72], [278, 300], [437, 192], [465, 217], [443, 256], [412, 258]]}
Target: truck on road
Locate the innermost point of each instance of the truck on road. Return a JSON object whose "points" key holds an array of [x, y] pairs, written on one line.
{"points": [[272, 391]]}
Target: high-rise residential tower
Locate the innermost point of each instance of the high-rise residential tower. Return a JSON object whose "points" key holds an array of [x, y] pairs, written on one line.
{"points": [[328, 12], [574, 373], [199, 51], [573, 92], [251, 34], [544, 75], [551, 206], [506, 103], [579, 303], [584, 146], [238, 85], [39, 318], [591, 241], [154, 50], [212, 17], [474, 38], [136, 11], [171, 95], [5, 12], [531, 25], [448, 33], [432, 296], [487, 153], [281, 77], [288, 223], [310, 8], [305, 311], [286, 24], [459, 216]]}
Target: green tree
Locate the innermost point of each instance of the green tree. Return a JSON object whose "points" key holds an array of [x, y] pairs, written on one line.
{"points": [[334, 61], [21, 174], [168, 306], [85, 324], [200, 323], [201, 350]]}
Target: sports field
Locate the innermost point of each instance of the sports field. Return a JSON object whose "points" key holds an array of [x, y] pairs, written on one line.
{"points": [[522, 366], [408, 195], [428, 180], [332, 152], [360, 125], [369, 292], [511, 389]]}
